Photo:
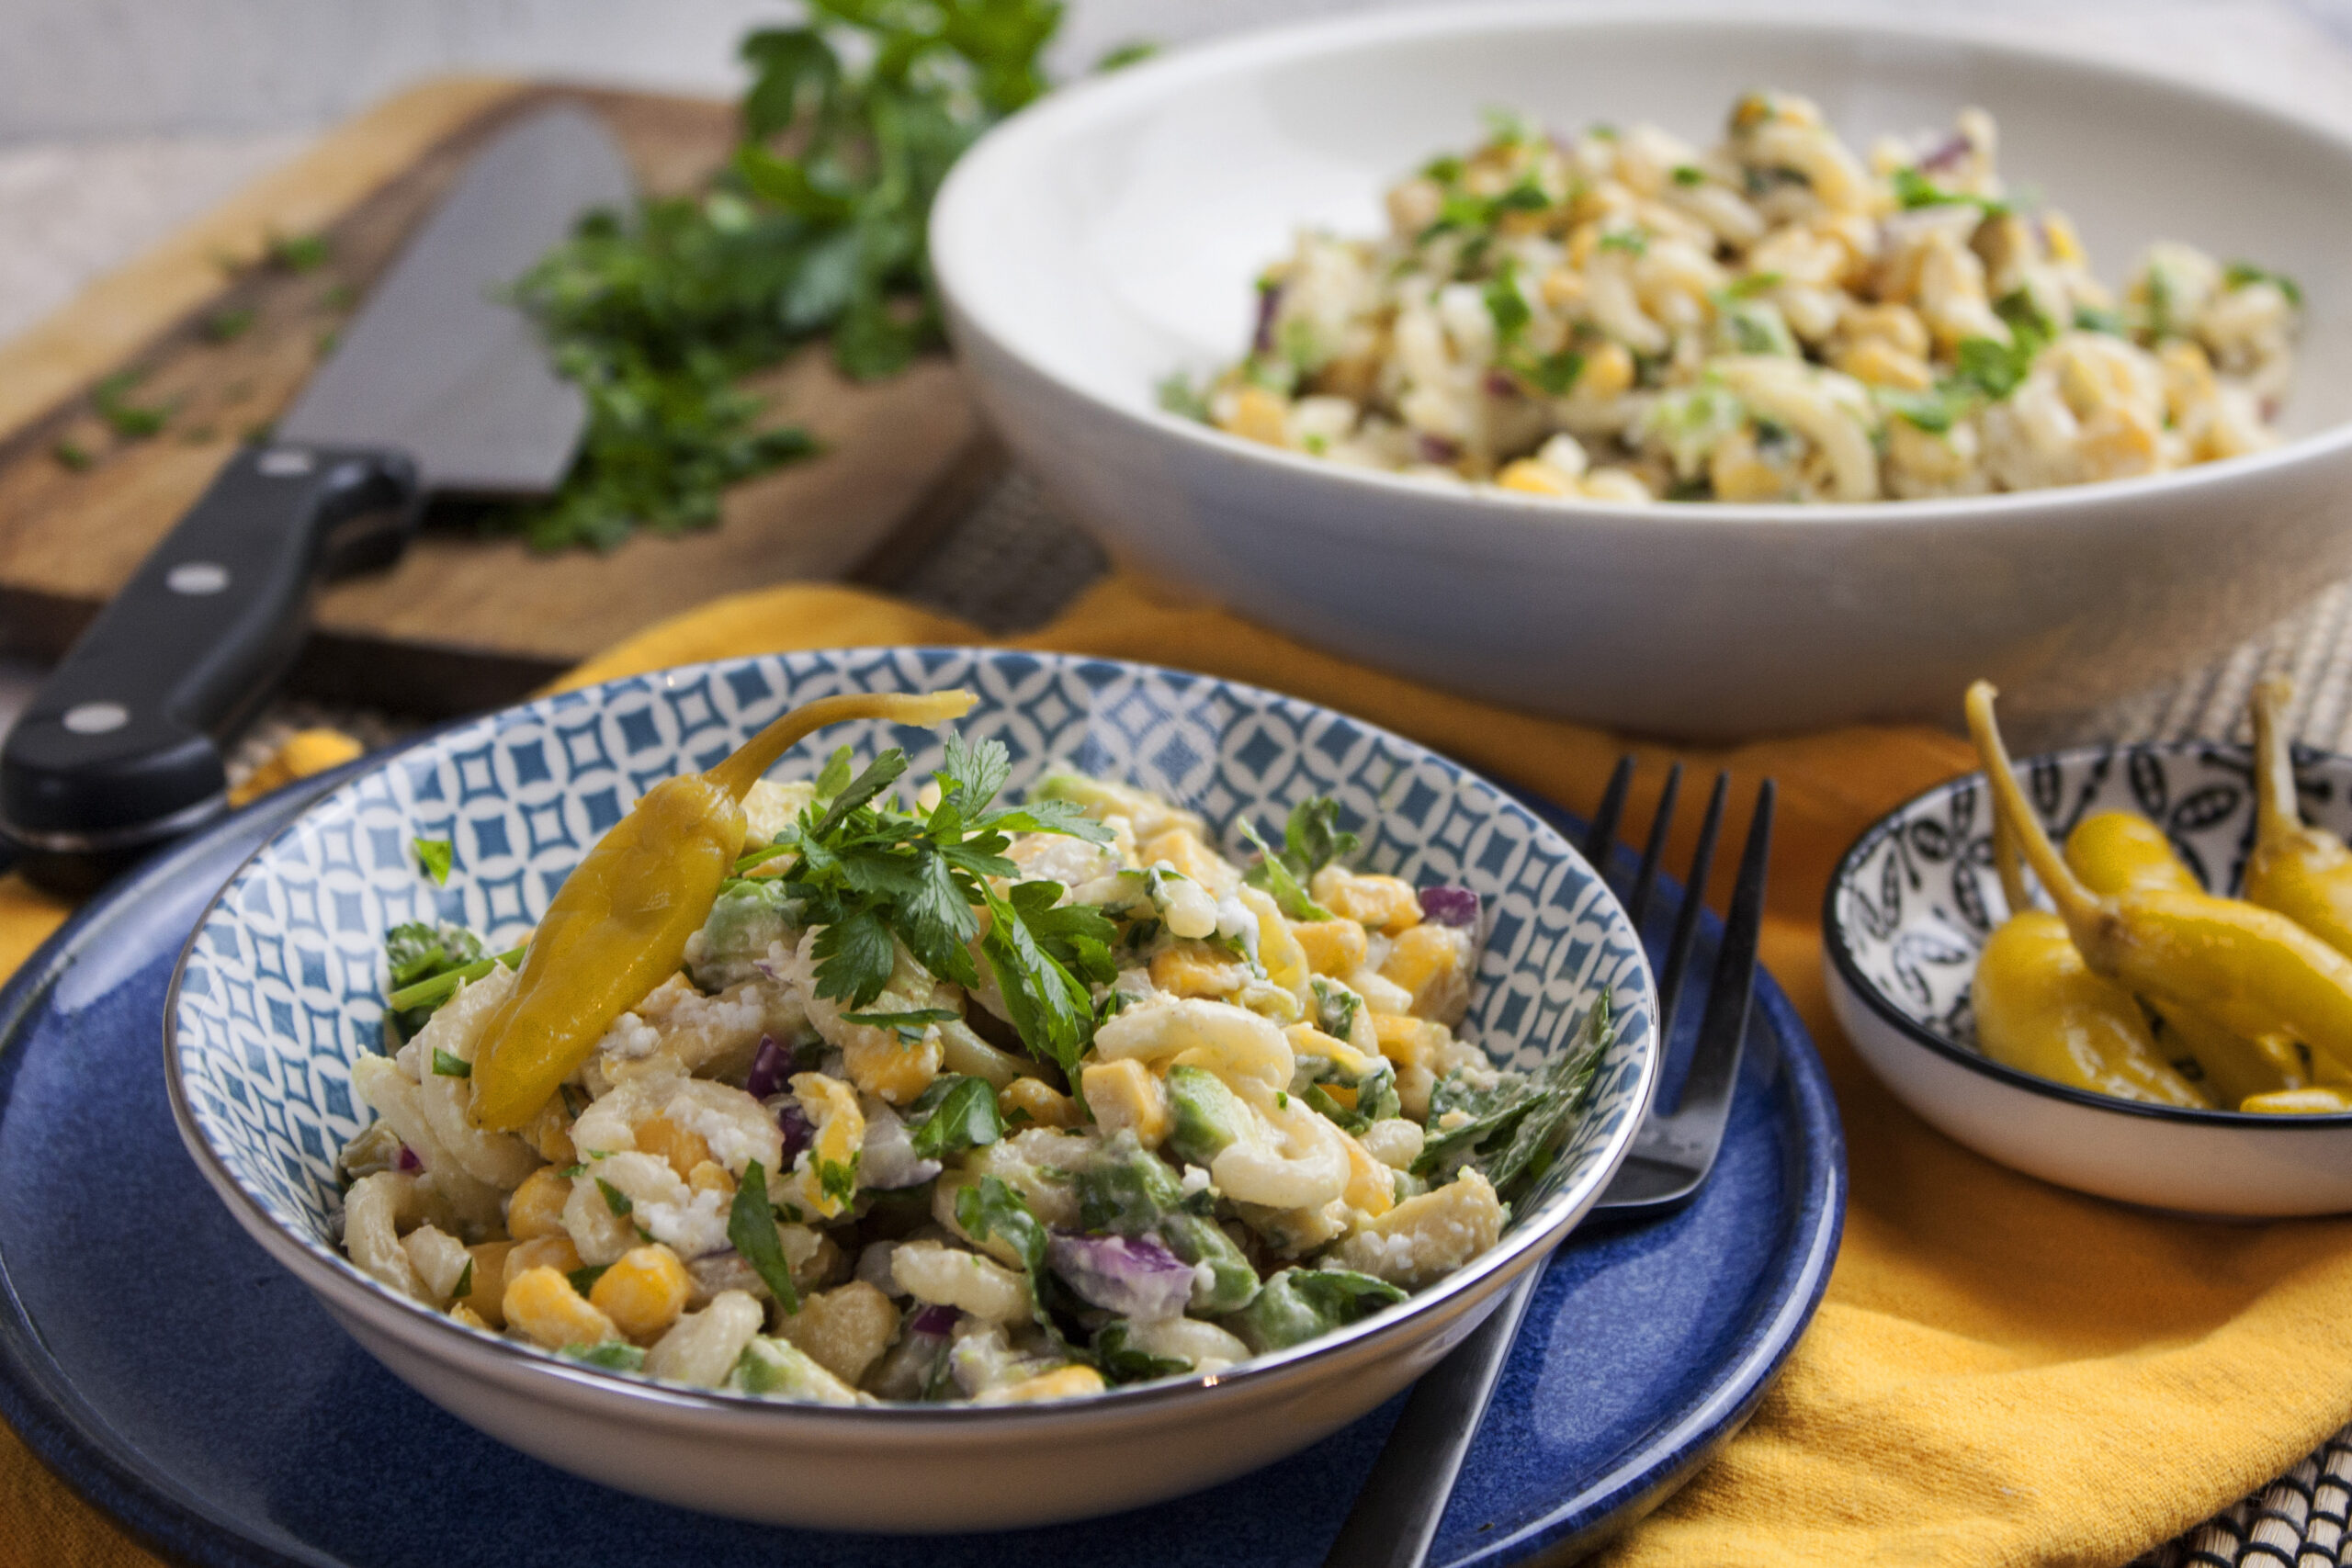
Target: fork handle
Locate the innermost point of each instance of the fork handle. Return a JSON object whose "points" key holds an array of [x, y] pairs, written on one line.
{"points": [[1401, 1502]]}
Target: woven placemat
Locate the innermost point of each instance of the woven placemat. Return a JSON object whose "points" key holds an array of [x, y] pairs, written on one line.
{"points": [[1012, 563]]}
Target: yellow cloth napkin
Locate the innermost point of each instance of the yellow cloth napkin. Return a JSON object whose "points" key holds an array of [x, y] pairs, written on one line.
{"points": [[2003, 1372]]}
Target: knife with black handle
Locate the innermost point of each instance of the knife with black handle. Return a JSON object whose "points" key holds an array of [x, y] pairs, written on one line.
{"points": [[438, 386]]}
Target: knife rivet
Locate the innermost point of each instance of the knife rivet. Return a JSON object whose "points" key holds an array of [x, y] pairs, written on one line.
{"points": [[196, 578], [95, 718], [284, 462]]}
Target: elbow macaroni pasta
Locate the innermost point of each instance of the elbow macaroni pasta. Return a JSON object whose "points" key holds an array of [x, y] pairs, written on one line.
{"points": [[1621, 317]]}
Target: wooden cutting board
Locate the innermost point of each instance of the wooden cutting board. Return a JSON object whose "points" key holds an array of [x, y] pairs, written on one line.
{"points": [[463, 621]]}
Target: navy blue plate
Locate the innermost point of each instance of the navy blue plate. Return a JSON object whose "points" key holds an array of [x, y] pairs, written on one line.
{"points": [[159, 1360]]}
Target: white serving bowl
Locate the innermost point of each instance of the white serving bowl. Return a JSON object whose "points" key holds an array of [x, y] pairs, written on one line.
{"points": [[1910, 907], [281, 989], [1109, 236]]}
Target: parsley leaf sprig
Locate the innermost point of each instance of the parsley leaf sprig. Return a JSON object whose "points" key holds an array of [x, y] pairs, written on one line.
{"points": [[815, 228], [1312, 839], [868, 873]]}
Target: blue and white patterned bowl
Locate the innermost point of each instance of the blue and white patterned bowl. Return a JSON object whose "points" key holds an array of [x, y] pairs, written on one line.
{"points": [[280, 990], [1911, 905]]}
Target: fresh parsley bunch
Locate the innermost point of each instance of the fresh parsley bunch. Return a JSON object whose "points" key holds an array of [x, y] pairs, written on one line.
{"points": [[816, 228], [867, 872]]}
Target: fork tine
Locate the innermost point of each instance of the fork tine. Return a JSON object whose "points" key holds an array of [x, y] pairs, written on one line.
{"points": [[1686, 920], [1661, 819], [1603, 834], [1715, 1060]]}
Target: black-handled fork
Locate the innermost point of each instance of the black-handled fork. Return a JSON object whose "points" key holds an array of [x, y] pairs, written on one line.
{"points": [[1397, 1514]]}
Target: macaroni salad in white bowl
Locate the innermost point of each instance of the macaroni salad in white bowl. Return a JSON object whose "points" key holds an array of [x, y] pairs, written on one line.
{"points": [[1745, 376]]}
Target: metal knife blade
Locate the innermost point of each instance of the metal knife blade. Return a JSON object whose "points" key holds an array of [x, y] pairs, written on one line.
{"points": [[437, 366], [437, 385]]}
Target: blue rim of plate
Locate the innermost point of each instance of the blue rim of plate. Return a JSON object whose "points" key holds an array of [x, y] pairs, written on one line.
{"points": [[70, 1437]]}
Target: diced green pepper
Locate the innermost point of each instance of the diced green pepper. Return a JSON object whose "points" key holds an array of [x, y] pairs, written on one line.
{"points": [[1230, 1283], [1208, 1116], [1299, 1304]]}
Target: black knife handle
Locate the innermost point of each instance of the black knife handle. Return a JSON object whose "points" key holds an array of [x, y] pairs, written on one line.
{"points": [[126, 741]]}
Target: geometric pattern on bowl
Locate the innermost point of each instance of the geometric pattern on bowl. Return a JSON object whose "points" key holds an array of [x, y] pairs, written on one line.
{"points": [[1917, 898], [282, 985]]}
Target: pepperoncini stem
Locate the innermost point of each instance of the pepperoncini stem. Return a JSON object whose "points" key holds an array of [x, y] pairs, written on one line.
{"points": [[618, 926], [743, 769], [2006, 864], [2077, 904], [2276, 815]]}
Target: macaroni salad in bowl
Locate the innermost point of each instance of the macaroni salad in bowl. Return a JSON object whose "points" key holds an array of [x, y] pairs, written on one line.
{"points": [[965, 1101], [1621, 317]]}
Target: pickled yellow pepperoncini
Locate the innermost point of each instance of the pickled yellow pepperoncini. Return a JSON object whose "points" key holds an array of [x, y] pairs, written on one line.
{"points": [[2303, 873], [618, 926], [2252, 970], [2039, 1008], [2114, 850], [2316, 1101]]}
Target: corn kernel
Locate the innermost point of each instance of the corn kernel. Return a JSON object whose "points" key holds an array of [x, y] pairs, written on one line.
{"points": [[542, 1303], [664, 1139], [1878, 363], [1123, 1094], [1305, 1040], [1062, 1382], [1384, 902], [1260, 415], [1608, 371], [1183, 848], [644, 1292], [1045, 1105], [463, 1313], [1189, 972], [1334, 947], [1421, 958], [535, 1208], [1408, 1042], [890, 1069], [554, 1252], [1372, 1186], [486, 1291], [1531, 478], [711, 1177]]}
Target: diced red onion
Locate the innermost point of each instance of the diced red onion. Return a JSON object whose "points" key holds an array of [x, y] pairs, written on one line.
{"points": [[1946, 153], [798, 1130], [1500, 385], [770, 1068], [1261, 337], [1450, 907], [937, 1321], [408, 1160], [1437, 449], [1134, 1276]]}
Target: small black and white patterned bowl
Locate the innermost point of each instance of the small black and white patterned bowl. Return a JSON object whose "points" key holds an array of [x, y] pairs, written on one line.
{"points": [[1911, 905]]}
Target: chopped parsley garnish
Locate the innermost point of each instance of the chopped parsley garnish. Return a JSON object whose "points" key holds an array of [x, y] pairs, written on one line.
{"points": [[1687, 175], [993, 1208], [227, 326], [1749, 286], [751, 1230], [1632, 241], [73, 455], [1177, 394], [132, 421], [612, 1355], [1312, 839], [1914, 191], [963, 1116], [618, 1202], [1505, 304], [2239, 273], [464, 1282], [433, 855], [1516, 1128], [299, 253], [814, 229], [449, 1066], [2091, 319], [909, 1026], [585, 1280]]}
